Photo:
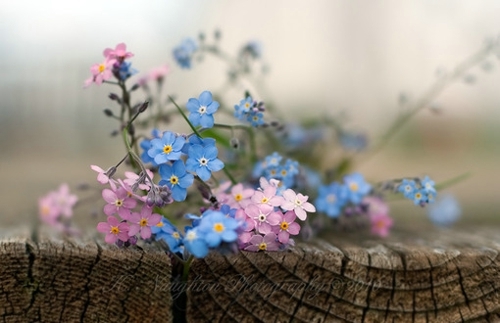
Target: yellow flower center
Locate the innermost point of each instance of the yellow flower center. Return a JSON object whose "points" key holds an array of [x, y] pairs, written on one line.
{"points": [[45, 210], [263, 246], [380, 224], [284, 226], [264, 200], [247, 105], [283, 172], [418, 195], [119, 203], [174, 180], [114, 230], [143, 222], [331, 198], [176, 235], [102, 68], [238, 197], [160, 224], [298, 202], [353, 186], [218, 227], [167, 149]]}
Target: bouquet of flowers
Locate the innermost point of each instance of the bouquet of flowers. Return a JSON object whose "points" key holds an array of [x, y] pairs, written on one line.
{"points": [[239, 177]]}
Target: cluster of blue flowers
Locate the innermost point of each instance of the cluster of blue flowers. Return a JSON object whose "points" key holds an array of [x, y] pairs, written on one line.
{"points": [[250, 111], [208, 231], [334, 197], [273, 166], [420, 191], [167, 151], [183, 53]]}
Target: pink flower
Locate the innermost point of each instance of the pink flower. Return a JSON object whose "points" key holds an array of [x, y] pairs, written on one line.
{"points": [[287, 227], [100, 72], [119, 53], [47, 209], [118, 201], [64, 201], [298, 203], [114, 229], [240, 196], [264, 217], [267, 196], [143, 222], [132, 178], [376, 205], [265, 184], [381, 224], [102, 177], [263, 243], [158, 73]]}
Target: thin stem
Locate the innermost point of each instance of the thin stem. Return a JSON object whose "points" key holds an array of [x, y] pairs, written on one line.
{"points": [[185, 270], [434, 91]]}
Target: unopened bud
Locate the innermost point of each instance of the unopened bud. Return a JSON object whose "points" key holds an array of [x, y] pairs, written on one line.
{"points": [[114, 97], [143, 107], [131, 129], [135, 87], [108, 112], [114, 133], [235, 143]]}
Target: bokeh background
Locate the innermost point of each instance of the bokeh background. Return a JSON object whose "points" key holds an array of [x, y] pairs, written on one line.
{"points": [[339, 57]]}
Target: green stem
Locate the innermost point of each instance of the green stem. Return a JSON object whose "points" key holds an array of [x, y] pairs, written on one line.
{"points": [[185, 270], [434, 91]]}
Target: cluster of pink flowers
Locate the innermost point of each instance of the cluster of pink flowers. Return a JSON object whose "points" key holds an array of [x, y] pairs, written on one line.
{"points": [[378, 213], [123, 201], [104, 71], [268, 216], [56, 208]]}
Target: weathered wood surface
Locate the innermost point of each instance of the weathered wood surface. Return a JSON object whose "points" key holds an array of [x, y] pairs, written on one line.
{"points": [[438, 276], [445, 277], [48, 279]]}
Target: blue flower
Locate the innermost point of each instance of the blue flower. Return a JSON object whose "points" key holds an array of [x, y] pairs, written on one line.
{"points": [[408, 188], [331, 199], [166, 231], [184, 52], [125, 71], [357, 187], [445, 211], [353, 141], [146, 145], [419, 197], [195, 243], [217, 228], [228, 211], [166, 148], [255, 118], [242, 109], [203, 161], [201, 110], [176, 178], [195, 140], [273, 160], [428, 184], [253, 48]]}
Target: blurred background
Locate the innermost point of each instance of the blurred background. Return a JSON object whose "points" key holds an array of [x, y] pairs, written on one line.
{"points": [[360, 58]]}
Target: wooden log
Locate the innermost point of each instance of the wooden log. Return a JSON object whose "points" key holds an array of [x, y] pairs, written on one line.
{"points": [[439, 276], [49, 279], [442, 276]]}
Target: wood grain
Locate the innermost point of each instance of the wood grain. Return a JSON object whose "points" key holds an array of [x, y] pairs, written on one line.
{"points": [[440, 277], [49, 279]]}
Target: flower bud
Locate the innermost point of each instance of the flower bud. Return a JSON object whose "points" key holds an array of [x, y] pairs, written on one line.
{"points": [[108, 112]]}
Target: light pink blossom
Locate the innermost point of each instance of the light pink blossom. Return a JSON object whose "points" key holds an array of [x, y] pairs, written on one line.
{"points": [[286, 227], [264, 217], [118, 202], [297, 203], [47, 209], [132, 178], [102, 177], [263, 243], [120, 52], [381, 224], [64, 201], [114, 229], [240, 196], [100, 72], [267, 196], [142, 222]]}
